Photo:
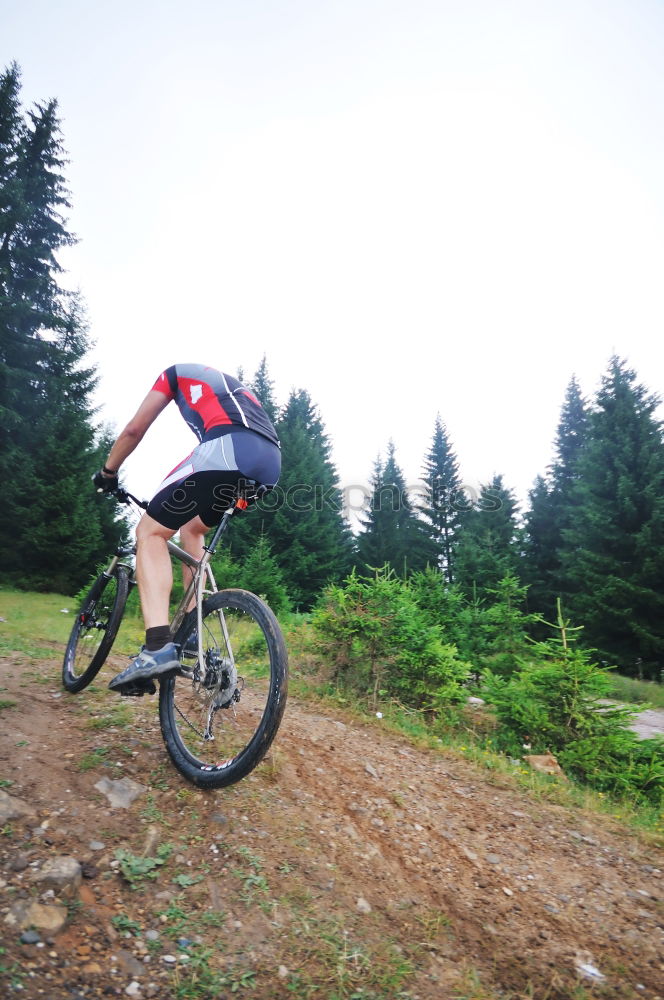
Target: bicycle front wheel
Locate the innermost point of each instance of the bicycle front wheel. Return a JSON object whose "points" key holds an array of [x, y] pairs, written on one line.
{"points": [[220, 715], [95, 629]]}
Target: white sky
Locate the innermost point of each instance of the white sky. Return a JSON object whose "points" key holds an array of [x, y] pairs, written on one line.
{"points": [[410, 207]]}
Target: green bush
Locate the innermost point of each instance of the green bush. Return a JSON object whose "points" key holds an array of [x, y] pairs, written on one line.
{"points": [[506, 626], [490, 633], [556, 703], [629, 767], [378, 641]]}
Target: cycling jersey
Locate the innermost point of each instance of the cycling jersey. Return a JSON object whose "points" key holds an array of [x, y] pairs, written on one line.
{"points": [[210, 400], [238, 445]]}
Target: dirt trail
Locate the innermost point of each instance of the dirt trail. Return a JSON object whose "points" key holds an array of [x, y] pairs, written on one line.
{"points": [[348, 865]]}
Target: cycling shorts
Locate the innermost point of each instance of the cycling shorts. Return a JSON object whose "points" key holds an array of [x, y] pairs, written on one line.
{"points": [[205, 483]]}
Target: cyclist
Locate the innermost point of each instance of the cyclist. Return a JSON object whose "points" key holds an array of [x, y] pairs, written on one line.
{"points": [[238, 445]]}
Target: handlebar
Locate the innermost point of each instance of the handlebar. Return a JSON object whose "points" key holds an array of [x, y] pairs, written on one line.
{"points": [[124, 496]]}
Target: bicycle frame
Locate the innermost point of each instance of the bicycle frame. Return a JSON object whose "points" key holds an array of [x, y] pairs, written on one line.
{"points": [[202, 570]]}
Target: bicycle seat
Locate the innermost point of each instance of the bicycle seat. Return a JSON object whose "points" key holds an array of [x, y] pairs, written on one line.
{"points": [[252, 492]]}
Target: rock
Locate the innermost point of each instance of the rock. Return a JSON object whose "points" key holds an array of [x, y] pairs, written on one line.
{"points": [[120, 793], [18, 863], [96, 845], [25, 914], [30, 937], [13, 808], [134, 989], [61, 874], [493, 859], [470, 855], [362, 906], [371, 770], [283, 972], [130, 964]]}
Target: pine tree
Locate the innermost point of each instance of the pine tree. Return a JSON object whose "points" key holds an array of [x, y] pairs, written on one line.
{"points": [[304, 517], [54, 529], [440, 508], [613, 560], [373, 549], [51, 533], [393, 535], [10, 132], [552, 506], [488, 541], [263, 387], [542, 546]]}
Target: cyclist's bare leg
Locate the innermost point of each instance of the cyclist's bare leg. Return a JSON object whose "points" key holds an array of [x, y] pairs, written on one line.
{"points": [[154, 572], [155, 579], [192, 540]]}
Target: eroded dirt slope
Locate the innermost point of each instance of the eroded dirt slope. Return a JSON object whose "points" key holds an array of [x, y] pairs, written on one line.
{"points": [[348, 865]]}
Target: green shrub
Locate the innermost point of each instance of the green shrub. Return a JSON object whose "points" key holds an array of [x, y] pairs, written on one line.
{"points": [[487, 633], [506, 626], [555, 702], [378, 641]]}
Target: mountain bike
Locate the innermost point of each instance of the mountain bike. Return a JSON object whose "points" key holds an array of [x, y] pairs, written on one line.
{"points": [[230, 691]]}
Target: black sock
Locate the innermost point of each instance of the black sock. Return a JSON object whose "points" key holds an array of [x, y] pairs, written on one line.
{"points": [[157, 637]]}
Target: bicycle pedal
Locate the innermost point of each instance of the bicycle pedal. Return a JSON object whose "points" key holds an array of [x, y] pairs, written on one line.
{"points": [[137, 689]]}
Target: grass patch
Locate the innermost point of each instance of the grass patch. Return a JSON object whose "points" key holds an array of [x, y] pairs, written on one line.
{"points": [[635, 692], [30, 618], [330, 958], [119, 717], [95, 758]]}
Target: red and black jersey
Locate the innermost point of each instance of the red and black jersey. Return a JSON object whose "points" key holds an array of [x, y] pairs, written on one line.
{"points": [[208, 398]]}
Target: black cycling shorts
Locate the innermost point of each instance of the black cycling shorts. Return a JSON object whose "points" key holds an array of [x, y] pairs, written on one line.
{"points": [[205, 483]]}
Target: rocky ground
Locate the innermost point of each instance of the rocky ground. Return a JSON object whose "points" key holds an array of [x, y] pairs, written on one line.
{"points": [[349, 865]]}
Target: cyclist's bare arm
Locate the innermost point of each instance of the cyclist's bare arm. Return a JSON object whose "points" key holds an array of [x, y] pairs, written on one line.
{"points": [[131, 436]]}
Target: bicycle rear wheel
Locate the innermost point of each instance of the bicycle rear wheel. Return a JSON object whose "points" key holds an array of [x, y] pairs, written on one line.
{"points": [[95, 629], [219, 717]]}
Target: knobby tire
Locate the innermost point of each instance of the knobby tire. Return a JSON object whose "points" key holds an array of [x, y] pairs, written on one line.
{"points": [[94, 631], [255, 668]]}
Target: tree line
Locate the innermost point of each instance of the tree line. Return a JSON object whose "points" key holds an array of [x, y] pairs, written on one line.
{"points": [[592, 533]]}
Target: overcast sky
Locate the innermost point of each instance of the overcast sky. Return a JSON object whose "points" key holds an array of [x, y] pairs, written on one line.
{"points": [[409, 207]]}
